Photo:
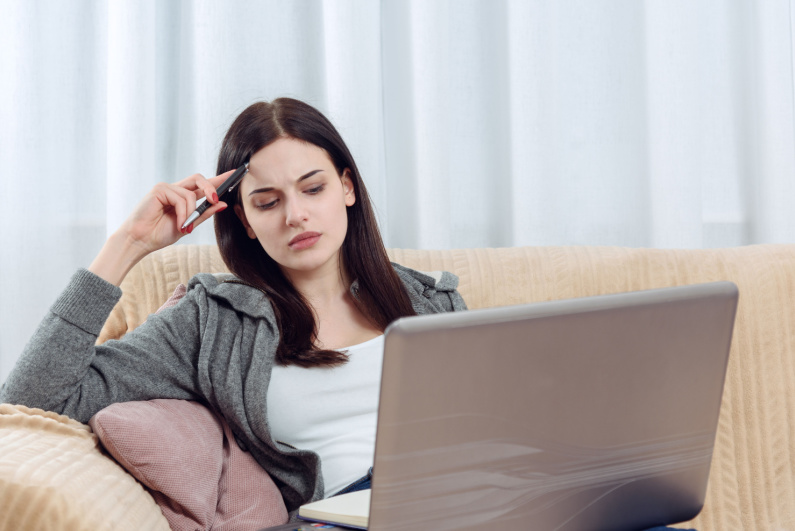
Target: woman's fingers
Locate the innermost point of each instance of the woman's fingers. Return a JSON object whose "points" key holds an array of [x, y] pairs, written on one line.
{"points": [[218, 179], [182, 201], [208, 188], [207, 214], [157, 220], [205, 187], [169, 206]]}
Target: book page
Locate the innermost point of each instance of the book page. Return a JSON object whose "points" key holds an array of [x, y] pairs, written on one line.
{"points": [[352, 508]]}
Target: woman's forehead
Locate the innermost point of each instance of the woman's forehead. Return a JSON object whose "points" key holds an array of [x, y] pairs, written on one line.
{"points": [[285, 162], [285, 150]]}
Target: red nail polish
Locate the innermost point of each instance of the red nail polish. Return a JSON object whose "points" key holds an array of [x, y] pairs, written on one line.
{"points": [[215, 198], [190, 228], [221, 209]]}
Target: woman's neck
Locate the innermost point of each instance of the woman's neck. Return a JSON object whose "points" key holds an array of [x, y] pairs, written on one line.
{"points": [[322, 287]]}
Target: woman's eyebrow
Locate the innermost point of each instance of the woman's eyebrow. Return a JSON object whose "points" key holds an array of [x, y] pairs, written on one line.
{"points": [[269, 188]]}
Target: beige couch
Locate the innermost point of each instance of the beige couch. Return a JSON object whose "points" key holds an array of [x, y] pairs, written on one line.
{"points": [[752, 483]]}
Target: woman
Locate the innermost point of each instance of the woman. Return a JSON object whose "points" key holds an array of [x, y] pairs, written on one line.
{"points": [[311, 293]]}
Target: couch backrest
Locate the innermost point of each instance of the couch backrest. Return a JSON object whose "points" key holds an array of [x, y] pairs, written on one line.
{"points": [[752, 483]]}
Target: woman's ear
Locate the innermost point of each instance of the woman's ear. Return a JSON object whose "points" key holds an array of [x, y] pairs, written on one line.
{"points": [[241, 215], [347, 187]]}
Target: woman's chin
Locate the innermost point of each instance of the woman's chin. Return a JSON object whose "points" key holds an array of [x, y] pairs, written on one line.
{"points": [[308, 263]]}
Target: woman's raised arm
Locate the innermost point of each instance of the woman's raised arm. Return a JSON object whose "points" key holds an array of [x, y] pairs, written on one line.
{"points": [[155, 223]]}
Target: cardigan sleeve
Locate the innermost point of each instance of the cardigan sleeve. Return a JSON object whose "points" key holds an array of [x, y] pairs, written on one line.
{"points": [[62, 369]]}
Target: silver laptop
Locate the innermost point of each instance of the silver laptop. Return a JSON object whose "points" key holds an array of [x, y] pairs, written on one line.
{"points": [[574, 415]]}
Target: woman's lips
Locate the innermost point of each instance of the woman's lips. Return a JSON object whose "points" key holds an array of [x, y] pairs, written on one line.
{"points": [[304, 240]]}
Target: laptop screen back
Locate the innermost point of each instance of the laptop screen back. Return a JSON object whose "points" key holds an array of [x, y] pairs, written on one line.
{"points": [[584, 414]]}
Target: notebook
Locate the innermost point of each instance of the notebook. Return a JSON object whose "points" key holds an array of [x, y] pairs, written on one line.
{"points": [[574, 415]]}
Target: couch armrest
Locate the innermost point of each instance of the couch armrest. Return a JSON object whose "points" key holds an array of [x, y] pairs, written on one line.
{"points": [[53, 475]]}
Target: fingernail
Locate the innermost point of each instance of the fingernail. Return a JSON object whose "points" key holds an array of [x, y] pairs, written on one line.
{"points": [[222, 208], [190, 228], [215, 197]]}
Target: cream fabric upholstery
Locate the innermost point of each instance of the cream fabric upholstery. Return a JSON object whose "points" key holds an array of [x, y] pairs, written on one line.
{"points": [[752, 484], [54, 477]]}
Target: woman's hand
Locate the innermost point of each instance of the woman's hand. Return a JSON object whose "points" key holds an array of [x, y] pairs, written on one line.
{"points": [[156, 223]]}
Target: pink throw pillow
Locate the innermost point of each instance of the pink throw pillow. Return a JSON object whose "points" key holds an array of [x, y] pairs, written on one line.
{"points": [[179, 292], [189, 460]]}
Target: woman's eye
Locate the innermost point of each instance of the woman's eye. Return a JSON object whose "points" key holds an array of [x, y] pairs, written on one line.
{"points": [[266, 206], [316, 189]]}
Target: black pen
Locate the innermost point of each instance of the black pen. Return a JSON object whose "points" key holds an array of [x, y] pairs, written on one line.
{"points": [[227, 186]]}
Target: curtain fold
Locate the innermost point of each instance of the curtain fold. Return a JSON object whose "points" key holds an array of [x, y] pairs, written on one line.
{"points": [[475, 123]]}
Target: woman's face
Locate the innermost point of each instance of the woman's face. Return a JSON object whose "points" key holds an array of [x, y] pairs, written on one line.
{"points": [[295, 203]]}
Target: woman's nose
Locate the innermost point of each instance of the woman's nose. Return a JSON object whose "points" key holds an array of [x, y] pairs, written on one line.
{"points": [[295, 213]]}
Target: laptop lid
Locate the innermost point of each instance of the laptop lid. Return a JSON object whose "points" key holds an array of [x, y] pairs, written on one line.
{"points": [[573, 415]]}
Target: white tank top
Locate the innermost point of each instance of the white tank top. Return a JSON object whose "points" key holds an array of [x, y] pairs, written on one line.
{"points": [[330, 411]]}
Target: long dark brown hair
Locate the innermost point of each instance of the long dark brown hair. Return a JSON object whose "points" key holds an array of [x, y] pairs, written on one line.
{"points": [[380, 297]]}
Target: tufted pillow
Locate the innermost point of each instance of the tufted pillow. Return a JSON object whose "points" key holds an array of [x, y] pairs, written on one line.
{"points": [[179, 292], [188, 458]]}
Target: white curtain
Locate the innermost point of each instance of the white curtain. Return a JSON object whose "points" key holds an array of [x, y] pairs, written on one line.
{"points": [[475, 122]]}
